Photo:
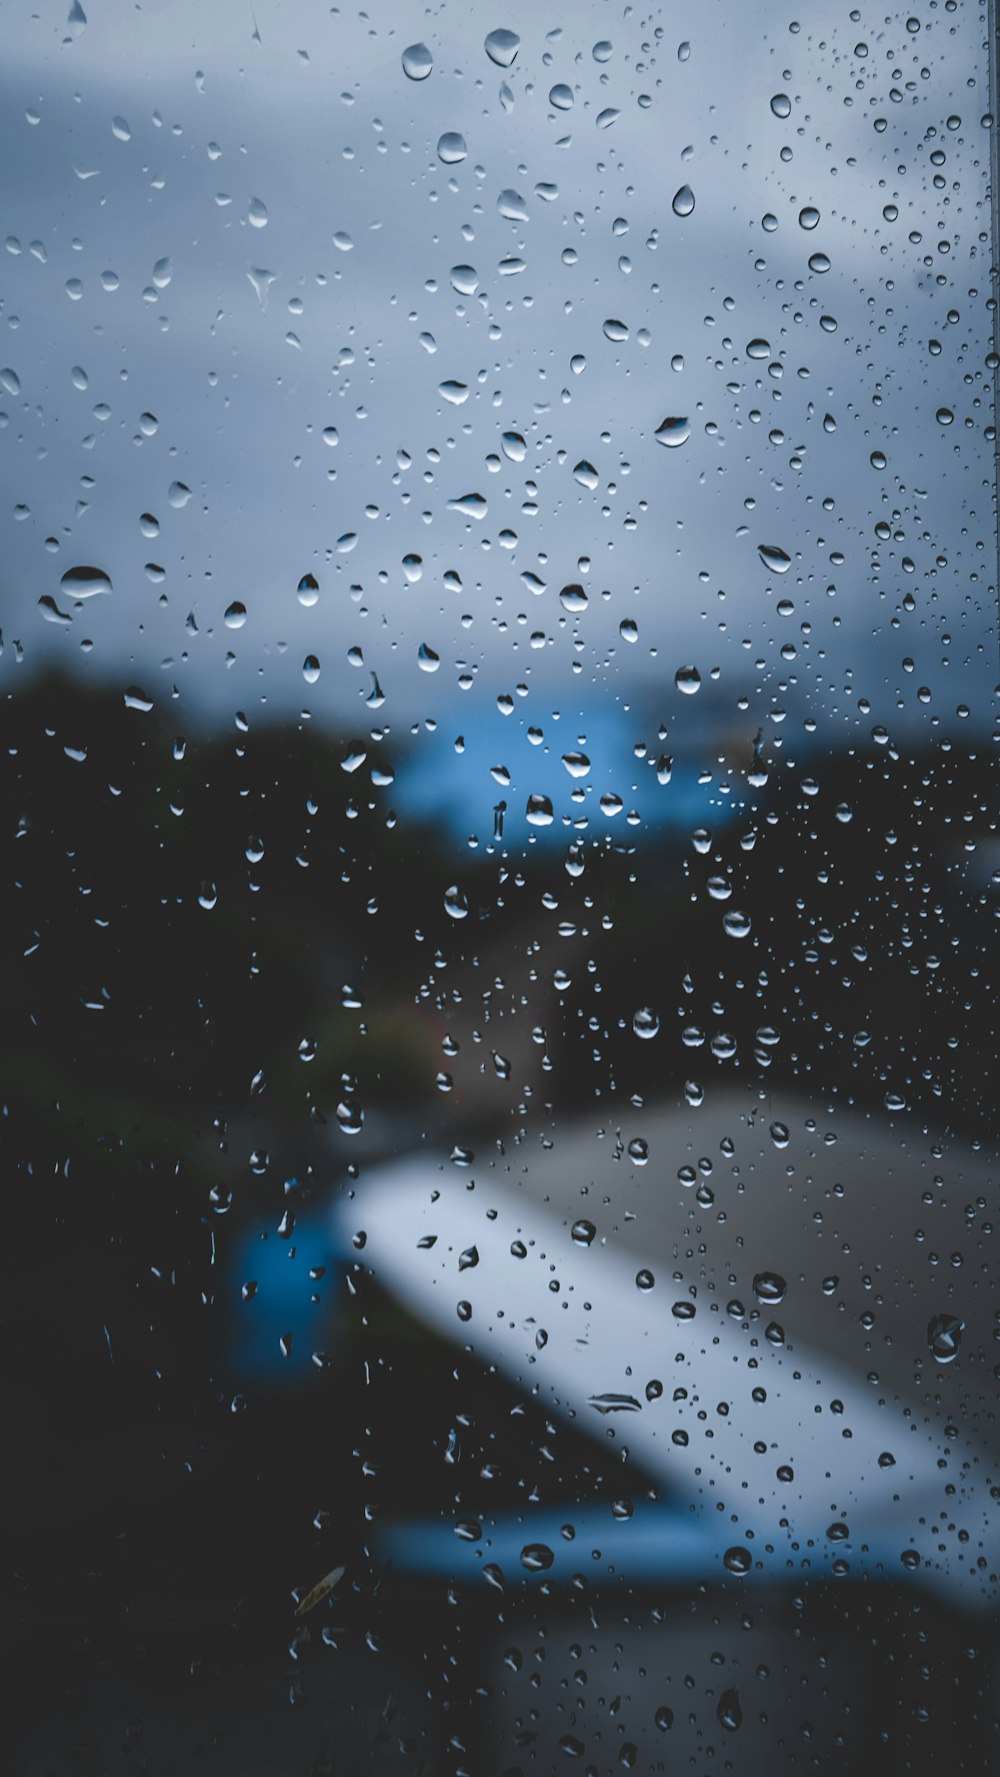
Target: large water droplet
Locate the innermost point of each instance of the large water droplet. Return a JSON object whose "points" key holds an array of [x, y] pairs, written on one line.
{"points": [[456, 903], [688, 680], [729, 1711], [417, 61], [85, 583], [537, 1557], [451, 148], [774, 558], [683, 201], [561, 96], [502, 47], [781, 105], [769, 1287], [672, 431], [539, 811], [944, 1336], [464, 279], [646, 1022], [737, 1560], [573, 598]]}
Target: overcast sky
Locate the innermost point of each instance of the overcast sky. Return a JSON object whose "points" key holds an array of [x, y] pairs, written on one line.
{"points": [[230, 229]]}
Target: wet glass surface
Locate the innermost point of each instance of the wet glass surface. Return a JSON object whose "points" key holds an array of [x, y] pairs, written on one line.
{"points": [[498, 1042]]}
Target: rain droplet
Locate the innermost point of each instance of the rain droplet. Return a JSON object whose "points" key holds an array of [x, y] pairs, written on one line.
{"points": [[308, 590], [539, 811], [236, 615], [427, 659], [537, 1557], [502, 47], [737, 1560], [178, 493], [944, 1336], [736, 924], [683, 201], [451, 148], [688, 680], [583, 1232], [85, 583], [729, 1711], [673, 431], [573, 598], [561, 97], [310, 669], [646, 1022], [456, 903], [257, 213], [769, 1287], [464, 279], [511, 204], [774, 558], [417, 61], [781, 105], [586, 475], [944, 416], [51, 612], [808, 217], [577, 764]]}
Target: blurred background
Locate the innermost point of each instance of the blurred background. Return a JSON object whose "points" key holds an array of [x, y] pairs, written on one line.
{"points": [[497, 691]]}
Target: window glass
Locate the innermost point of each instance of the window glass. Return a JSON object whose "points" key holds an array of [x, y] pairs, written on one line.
{"points": [[500, 887]]}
